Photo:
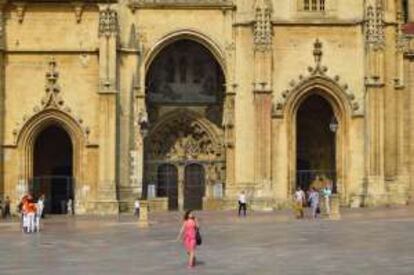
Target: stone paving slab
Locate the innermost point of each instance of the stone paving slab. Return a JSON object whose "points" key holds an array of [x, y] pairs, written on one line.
{"points": [[365, 241]]}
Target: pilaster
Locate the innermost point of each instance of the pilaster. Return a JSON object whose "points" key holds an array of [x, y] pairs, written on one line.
{"points": [[262, 89], [2, 98], [411, 11], [229, 139], [107, 185], [374, 189]]}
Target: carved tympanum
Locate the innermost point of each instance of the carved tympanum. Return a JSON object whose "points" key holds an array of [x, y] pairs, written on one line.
{"points": [[183, 138]]}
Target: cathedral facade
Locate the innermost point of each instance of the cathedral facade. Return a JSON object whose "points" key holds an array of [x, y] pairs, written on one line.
{"points": [[186, 103]]}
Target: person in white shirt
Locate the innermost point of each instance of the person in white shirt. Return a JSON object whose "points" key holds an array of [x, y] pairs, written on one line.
{"points": [[136, 208], [242, 203], [69, 206], [40, 205], [327, 193], [299, 200]]}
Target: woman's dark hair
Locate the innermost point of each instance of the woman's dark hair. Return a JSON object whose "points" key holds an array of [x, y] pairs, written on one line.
{"points": [[187, 213]]}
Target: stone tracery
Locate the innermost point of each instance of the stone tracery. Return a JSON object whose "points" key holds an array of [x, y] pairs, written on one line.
{"points": [[183, 138]]}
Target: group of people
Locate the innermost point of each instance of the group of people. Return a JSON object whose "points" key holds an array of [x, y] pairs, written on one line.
{"points": [[312, 199], [31, 212]]}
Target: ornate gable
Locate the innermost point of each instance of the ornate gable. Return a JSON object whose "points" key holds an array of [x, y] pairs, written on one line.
{"points": [[315, 73]]}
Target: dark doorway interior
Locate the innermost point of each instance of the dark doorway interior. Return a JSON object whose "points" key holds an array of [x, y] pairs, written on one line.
{"points": [[52, 169], [315, 143], [167, 184], [194, 187]]}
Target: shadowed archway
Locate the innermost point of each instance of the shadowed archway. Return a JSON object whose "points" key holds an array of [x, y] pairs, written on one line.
{"points": [[53, 168]]}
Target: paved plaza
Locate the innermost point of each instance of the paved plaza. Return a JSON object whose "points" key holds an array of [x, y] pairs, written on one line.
{"points": [[365, 241]]}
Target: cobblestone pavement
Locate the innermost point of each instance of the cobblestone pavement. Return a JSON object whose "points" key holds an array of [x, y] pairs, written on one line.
{"points": [[365, 241]]}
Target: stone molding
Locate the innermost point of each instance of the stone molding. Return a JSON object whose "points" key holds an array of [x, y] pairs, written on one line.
{"points": [[181, 4], [316, 73], [51, 101], [262, 27]]}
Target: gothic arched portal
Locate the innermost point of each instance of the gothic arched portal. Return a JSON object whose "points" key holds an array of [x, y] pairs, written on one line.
{"points": [[315, 143], [184, 101], [53, 168]]}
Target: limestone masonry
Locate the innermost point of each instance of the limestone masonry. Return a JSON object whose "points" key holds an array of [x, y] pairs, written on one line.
{"points": [[185, 103]]}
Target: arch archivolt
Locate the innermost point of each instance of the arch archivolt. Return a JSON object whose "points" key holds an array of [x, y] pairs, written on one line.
{"points": [[343, 112], [335, 93], [28, 134], [52, 111], [197, 36]]}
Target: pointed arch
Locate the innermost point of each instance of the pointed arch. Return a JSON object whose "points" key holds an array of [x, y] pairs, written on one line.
{"points": [[342, 110], [34, 126], [189, 34]]}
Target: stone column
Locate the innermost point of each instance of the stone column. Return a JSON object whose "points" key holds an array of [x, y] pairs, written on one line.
{"points": [[107, 201], [229, 140], [2, 95], [263, 115], [181, 179], [410, 120], [411, 11], [262, 89], [375, 83]]}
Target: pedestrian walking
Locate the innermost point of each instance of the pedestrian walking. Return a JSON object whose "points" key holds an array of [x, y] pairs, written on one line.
{"points": [[29, 212], [299, 199], [188, 234], [22, 208], [314, 202], [136, 208], [39, 212], [69, 206], [327, 193], [242, 203], [6, 210]]}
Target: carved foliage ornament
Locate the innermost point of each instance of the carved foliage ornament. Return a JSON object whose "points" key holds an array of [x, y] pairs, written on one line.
{"points": [[51, 100], [52, 88], [108, 22], [318, 71], [375, 23], [263, 24], [183, 138]]}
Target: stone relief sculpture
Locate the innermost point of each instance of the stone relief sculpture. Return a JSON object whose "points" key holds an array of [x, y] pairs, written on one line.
{"points": [[108, 22], [263, 24], [183, 138]]}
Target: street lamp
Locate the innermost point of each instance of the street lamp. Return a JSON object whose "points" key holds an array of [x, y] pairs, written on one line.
{"points": [[333, 125], [143, 124]]}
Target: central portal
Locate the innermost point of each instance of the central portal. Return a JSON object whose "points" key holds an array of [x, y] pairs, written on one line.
{"points": [[184, 154]]}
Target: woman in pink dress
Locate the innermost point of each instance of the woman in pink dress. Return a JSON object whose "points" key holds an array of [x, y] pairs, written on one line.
{"points": [[188, 234]]}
